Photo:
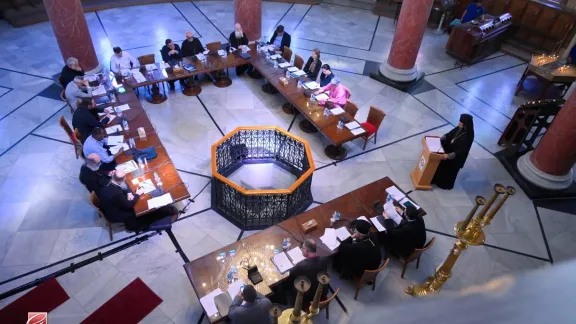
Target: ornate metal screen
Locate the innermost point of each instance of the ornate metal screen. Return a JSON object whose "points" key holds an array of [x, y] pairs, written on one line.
{"points": [[256, 209]]}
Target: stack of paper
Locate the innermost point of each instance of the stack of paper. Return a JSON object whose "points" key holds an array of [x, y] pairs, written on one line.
{"points": [[100, 90], [115, 140], [284, 65], [200, 56], [292, 69], [322, 97], [147, 186], [342, 233], [434, 144], [275, 56], [165, 199], [113, 129], [139, 77], [282, 262], [395, 193], [234, 288], [127, 166], [329, 239], [151, 67], [358, 131], [312, 85], [364, 218], [392, 213], [337, 111], [377, 224], [208, 302], [123, 107], [299, 73], [352, 125], [296, 255], [116, 149]]}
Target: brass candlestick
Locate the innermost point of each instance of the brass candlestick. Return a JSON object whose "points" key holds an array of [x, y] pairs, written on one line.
{"points": [[323, 279], [294, 315], [275, 312], [467, 234]]}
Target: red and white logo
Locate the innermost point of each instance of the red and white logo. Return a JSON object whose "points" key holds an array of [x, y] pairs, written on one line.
{"points": [[37, 318]]}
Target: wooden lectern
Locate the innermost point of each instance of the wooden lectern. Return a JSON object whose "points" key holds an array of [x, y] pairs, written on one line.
{"points": [[426, 167]]}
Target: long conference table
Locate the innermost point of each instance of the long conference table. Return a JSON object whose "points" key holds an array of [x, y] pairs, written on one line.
{"points": [[209, 272]]}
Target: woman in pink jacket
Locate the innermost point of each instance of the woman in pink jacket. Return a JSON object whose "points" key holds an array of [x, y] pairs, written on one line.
{"points": [[338, 93]]}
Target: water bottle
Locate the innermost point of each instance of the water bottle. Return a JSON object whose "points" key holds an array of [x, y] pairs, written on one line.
{"points": [[388, 198], [285, 244], [117, 110], [299, 85], [132, 143], [156, 177], [257, 48], [287, 75], [275, 64], [326, 113], [288, 244], [267, 56], [336, 216], [340, 126], [125, 124], [140, 164]]}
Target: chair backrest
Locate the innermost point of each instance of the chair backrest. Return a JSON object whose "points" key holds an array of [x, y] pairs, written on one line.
{"points": [[375, 117], [418, 252], [64, 124], [60, 82], [78, 135], [287, 54], [298, 62], [147, 59], [214, 46], [324, 303], [95, 202], [351, 108], [370, 275], [348, 93]]}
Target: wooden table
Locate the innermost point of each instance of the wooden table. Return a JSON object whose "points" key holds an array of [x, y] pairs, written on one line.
{"points": [[162, 164], [214, 62], [300, 99], [548, 70], [205, 273]]}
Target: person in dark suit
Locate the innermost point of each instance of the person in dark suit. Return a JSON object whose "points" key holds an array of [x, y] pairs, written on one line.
{"points": [[238, 38], [171, 53], [358, 253], [326, 75], [71, 70], [309, 268], [249, 306], [90, 174], [191, 46], [117, 202], [85, 117], [280, 38], [410, 234], [312, 67]]}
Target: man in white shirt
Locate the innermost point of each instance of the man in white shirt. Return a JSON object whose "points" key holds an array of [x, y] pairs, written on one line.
{"points": [[122, 61]]}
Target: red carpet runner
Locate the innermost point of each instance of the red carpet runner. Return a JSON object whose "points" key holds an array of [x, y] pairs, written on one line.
{"points": [[128, 306], [44, 298]]}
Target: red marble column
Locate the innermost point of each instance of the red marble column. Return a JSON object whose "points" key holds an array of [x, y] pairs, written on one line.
{"points": [[248, 13], [72, 34], [401, 63], [550, 164]]}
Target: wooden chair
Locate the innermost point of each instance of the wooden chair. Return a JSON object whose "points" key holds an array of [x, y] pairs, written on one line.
{"points": [[78, 135], [372, 124], [214, 46], [77, 144], [80, 146], [147, 59], [287, 53], [325, 304], [298, 62], [95, 202], [415, 256], [351, 108], [369, 277]]}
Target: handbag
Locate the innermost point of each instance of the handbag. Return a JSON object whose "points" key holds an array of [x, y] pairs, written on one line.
{"points": [[148, 153]]}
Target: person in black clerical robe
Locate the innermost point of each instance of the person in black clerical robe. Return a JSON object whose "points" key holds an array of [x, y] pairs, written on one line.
{"points": [[357, 253], [191, 45], [456, 145], [404, 238], [238, 38]]}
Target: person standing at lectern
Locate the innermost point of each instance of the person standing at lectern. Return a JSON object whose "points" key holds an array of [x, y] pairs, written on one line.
{"points": [[456, 145]]}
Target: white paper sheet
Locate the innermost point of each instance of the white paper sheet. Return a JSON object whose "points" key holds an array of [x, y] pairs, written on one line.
{"points": [[377, 224], [296, 255], [165, 65], [222, 52], [299, 73], [151, 67], [116, 149], [322, 97], [206, 52], [342, 233], [352, 125], [312, 85], [364, 218], [358, 131], [392, 213], [282, 262], [245, 48], [406, 200], [292, 69], [139, 77], [200, 56], [123, 107], [99, 91], [115, 140], [234, 288], [147, 185], [127, 166], [336, 111], [434, 144], [113, 129], [284, 65], [395, 193], [165, 199], [329, 238], [275, 56], [208, 302]]}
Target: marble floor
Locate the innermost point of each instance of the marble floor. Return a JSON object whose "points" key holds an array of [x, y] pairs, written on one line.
{"points": [[45, 215]]}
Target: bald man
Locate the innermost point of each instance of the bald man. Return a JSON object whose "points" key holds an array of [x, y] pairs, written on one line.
{"points": [[191, 46], [117, 202], [237, 38], [90, 174]]}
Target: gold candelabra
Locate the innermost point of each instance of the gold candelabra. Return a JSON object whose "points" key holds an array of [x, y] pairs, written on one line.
{"points": [[469, 232], [296, 315], [323, 280]]}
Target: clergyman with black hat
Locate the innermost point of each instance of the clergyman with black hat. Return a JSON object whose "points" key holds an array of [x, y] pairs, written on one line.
{"points": [[249, 306], [409, 235], [359, 252]]}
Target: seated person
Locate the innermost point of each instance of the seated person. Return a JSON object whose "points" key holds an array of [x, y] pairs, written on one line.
{"points": [[473, 11], [191, 46], [77, 89], [280, 38], [572, 56], [71, 70], [238, 38], [117, 203], [338, 93], [249, 306], [95, 143], [410, 234], [312, 67], [326, 75], [90, 174], [85, 118], [309, 267], [122, 61], [171, 54], [359, 252]]}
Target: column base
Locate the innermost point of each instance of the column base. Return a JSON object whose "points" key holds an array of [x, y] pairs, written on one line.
{"points": [[403, 80], [95, 70], [542, 179]]}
